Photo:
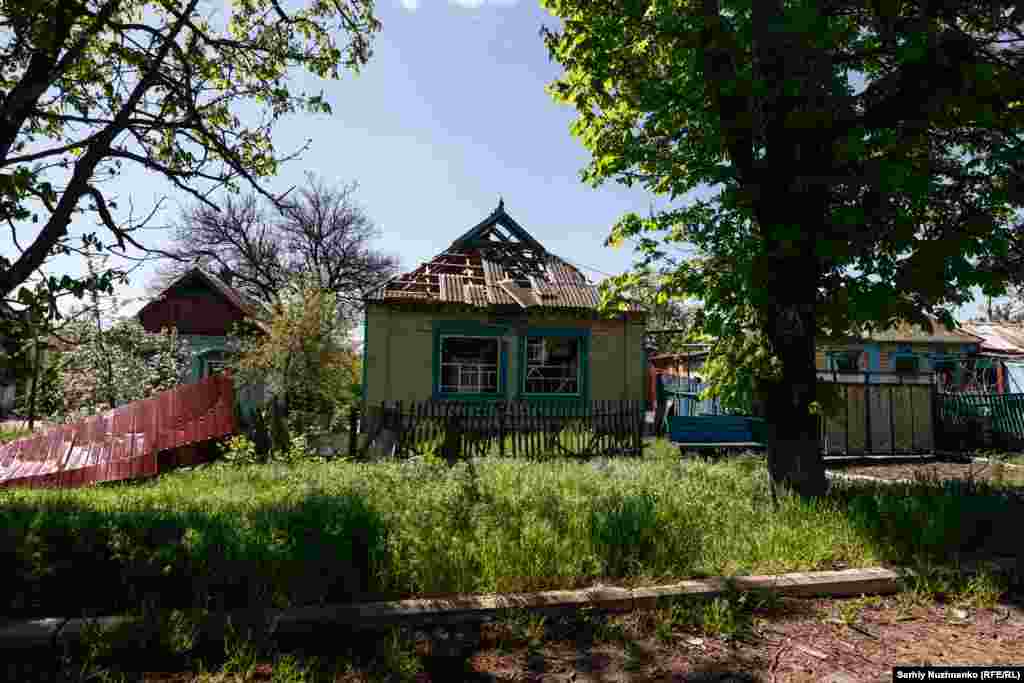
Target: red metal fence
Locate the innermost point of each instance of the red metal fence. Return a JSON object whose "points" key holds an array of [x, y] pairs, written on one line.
{"points": [[122, 443]]}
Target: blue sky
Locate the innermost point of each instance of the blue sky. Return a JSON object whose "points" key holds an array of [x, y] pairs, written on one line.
{"points": [[449, 114]]}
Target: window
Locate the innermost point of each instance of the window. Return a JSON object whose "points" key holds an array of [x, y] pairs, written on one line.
{"points": [[214, 366], [469, 365], [213, 363], [552, 365], [905, 362], [845, 361]]}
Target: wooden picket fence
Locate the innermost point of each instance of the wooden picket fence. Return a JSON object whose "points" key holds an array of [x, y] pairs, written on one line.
{"points": [[532, 428]]}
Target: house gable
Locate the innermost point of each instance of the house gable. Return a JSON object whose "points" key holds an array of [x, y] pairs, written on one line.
{"points": [[194, 305], [495, 265]]}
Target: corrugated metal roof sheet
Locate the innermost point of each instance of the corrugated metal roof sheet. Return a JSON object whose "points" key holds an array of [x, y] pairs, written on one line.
{"points": [[462, 275], [561, 286], [905, 332], [561, 273], [475, 295], [570, 296], [122, 443], [999, 337]]}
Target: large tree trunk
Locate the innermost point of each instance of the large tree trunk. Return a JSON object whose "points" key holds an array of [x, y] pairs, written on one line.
{"points": [[794, 454]]}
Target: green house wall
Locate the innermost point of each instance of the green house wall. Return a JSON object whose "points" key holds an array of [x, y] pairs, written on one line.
{"points": [[400, 352]]}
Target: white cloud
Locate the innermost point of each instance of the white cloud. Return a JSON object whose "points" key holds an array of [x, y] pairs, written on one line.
{"points": [[411, 5]]}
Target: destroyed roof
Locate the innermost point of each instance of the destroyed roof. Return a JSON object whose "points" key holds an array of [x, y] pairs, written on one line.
{"points": [[1004, 338], [494, 263], [908, 332]]}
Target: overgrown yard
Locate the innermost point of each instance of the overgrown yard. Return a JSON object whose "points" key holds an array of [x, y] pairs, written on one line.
{"points": [[231, 536], [10, 433]]}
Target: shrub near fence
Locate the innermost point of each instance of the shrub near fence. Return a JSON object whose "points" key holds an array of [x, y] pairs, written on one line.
{"points": [[579, 429]]}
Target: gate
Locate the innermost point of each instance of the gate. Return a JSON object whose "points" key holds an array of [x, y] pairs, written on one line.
{"points": [[881, 413]]}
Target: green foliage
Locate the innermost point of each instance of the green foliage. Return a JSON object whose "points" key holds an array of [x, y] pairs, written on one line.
{"points": [[12, 434], [241, 656], [187, 91], [100, 369], [240, 450], [306, 359], [665, 310], [824, 209]]}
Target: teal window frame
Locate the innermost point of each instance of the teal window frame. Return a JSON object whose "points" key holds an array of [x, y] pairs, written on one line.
{"points": [[833, 357], [468, 329], [580, 333], [206, 361]]}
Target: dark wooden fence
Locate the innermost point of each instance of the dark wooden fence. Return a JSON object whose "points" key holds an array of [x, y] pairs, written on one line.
{"points": [[519, 428], [880, 414], [976, 421]]}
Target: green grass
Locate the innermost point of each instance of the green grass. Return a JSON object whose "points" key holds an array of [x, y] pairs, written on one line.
{"points": [[1013, 459], [12, 434], [281, 535]]}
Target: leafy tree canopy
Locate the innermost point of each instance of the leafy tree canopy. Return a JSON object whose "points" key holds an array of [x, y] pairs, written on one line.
{"points": [[866, 160], [89, 369], [305, 358], [90, 87]]}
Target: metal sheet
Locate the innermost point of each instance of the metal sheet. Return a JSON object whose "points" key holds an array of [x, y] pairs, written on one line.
{"points": [[562, 286], [122, 443]]}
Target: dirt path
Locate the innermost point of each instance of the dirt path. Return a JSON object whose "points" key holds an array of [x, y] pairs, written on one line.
{"points": [[824, 640], [979, 471], [798, 640]]}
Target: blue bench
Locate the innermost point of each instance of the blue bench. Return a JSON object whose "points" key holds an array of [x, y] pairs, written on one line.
{"points": [[716, 431]]}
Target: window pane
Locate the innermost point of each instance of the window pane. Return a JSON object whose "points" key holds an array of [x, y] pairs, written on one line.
{"points": [[469, 365], [552, 365]]}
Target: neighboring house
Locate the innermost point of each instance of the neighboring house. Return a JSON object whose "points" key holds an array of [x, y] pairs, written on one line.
{"points": [[1002, 344], [204, 309], [902, 348], [497, 316], [684, 366]]}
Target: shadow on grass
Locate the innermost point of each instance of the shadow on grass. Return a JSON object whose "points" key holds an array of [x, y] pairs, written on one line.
{"points": [[69, 559], [932, 521]]}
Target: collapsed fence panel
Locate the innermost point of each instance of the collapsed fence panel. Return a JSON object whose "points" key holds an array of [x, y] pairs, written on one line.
{"points": [[122, 443]]}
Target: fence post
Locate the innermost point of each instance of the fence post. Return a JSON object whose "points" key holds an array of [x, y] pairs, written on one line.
{"points": [[846, 441], [867, 416], [892, 421], [500, 407], [638, 416], [353, 425]]}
